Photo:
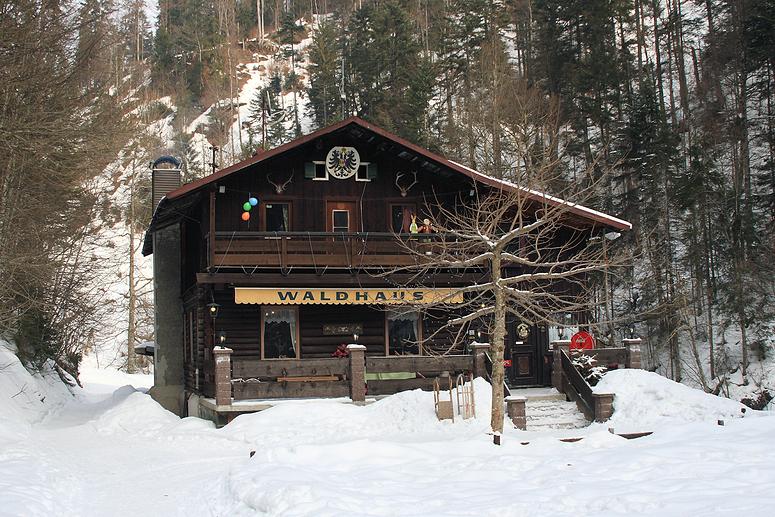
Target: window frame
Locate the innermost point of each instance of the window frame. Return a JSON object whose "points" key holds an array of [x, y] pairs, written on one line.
{"points": [[281, 201], [365, 166], [295, 308], [325, 171]]}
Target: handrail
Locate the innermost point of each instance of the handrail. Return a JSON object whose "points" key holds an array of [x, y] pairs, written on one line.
{"points": [[248, 234], [578, 384]]}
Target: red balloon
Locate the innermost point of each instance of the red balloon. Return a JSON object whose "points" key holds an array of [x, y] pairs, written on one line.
{"points": [[246, 216]]}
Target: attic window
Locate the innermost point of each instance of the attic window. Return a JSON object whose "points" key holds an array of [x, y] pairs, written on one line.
{"points": [[316, 171], [366, 172]]}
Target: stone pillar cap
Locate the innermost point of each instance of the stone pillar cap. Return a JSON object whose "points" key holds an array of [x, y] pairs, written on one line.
{"points": [[632, 340], [480, 345], [222, 350], [516, 398], [356, 347]]}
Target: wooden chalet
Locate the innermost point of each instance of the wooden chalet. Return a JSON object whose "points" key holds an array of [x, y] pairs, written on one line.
{"points": [[275, 293]]}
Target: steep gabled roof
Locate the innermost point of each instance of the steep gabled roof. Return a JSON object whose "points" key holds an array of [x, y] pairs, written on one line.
{"points": [[578, 210], [165, 212]]}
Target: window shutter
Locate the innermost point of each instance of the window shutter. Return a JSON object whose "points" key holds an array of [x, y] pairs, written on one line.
{"points": [[309, 170], [371, 171]]}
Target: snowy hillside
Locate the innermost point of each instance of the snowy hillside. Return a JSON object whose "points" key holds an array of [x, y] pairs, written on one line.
{"points": [[129, 174]]}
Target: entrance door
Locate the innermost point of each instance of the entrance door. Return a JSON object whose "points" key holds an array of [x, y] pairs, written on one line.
{"points": [[525, 346], [341, 216]]}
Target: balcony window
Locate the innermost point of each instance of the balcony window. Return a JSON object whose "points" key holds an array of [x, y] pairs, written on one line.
{"points": [[340, 220], [277, 217], [401, 217]]}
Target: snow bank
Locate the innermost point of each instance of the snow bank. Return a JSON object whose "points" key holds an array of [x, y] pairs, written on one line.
{"points": [[645, 401], [26, 398], [394, 458], [405, 414], [134, 412]]}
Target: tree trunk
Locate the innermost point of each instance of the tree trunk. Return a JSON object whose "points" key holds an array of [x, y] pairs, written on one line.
{"points": [[497, 346]]}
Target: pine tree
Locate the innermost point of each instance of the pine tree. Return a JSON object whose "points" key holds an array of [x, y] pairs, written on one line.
{"points": [[325, 75]]}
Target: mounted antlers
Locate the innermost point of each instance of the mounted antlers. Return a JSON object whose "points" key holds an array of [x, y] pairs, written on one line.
{"points": [[405, 190], [279, 188]]}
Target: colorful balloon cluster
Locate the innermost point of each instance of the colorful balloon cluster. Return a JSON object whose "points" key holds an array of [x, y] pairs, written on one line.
{"points": [[247, 207]]}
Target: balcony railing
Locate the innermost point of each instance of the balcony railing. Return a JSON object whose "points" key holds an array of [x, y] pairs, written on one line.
{"points": [[319, 249]]}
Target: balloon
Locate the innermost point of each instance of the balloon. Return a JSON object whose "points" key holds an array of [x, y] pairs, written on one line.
{"points": [[246, 216], [247, 206], [253, 201]]}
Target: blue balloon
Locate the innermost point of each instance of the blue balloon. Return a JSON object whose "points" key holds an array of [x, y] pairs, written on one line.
{"points": [[253, 201]]}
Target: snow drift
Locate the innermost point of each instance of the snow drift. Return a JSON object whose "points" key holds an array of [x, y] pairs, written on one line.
{"points": [[645, 401]]}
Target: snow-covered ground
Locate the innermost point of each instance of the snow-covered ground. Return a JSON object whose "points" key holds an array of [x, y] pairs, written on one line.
{"points": [[109, 449]]}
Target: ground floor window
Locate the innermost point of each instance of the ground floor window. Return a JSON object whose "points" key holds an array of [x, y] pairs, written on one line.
{"points": [[279, 334], [403, 333]]}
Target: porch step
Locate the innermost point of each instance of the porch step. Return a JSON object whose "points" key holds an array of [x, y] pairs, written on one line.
{"points": [[547, 409]]}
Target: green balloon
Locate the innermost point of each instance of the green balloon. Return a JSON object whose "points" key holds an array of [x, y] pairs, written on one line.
{"points": [[247, 207]]}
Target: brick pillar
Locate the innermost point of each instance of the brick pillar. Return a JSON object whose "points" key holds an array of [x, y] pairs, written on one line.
{"points": [[515, 409], [557, 346], [480, 361], [357, 373], [633, 352], [222, 375], [604, 406]]}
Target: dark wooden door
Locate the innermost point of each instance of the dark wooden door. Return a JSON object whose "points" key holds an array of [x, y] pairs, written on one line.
{"points": [[341, 216], [525, 349]]}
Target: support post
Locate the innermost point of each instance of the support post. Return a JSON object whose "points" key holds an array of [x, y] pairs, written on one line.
{"points": [[515, 409], [633, 352], [222, 375], [480, 359], [357, 373], [557, 346], [604, 406]]}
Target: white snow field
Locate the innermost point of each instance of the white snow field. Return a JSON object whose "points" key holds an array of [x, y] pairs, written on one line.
{"points": [[107, 452]]}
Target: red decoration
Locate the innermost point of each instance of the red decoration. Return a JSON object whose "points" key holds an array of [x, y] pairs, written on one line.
{"points": [[341, 351], [582, 341], [507, 363]]}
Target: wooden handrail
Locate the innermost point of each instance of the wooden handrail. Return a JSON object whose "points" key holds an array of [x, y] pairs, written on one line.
{"points": [[580, 387]]}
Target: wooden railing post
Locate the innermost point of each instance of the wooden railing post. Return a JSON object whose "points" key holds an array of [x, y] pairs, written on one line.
{"points": [[557, 347], [357, 373], [515, 409], [480, 359], [604, 406], [633, 352], [222, 375]]}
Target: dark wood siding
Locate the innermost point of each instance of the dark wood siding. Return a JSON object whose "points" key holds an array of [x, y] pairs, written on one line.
{"points": [[315, 344]]}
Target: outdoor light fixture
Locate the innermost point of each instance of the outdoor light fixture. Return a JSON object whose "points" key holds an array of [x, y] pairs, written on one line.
{"points": [[213, 308], [355, 337]]}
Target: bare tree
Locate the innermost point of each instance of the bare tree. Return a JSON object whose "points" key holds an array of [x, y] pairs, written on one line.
{"points": [[533, 249]]}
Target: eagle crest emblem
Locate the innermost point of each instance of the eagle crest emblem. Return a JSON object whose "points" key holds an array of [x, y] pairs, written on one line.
{"points": [[342, 162]]}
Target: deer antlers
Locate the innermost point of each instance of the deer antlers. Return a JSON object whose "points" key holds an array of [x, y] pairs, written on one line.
{"points": [[279, 188], [405, 190]]}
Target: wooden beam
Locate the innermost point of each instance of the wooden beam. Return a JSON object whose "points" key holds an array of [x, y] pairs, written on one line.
{"points": [[302, 279], [274, 390], [246, 368], [417, 363]]}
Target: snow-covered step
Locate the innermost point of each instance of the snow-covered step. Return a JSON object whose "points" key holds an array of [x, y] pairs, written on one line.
{"points": [[546, 408]]}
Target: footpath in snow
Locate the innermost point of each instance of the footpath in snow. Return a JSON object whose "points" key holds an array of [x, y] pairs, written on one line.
{"points": [[111, 450]]}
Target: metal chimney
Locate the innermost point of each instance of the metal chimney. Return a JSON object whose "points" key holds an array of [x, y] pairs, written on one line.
{"points": [[165, 177]]}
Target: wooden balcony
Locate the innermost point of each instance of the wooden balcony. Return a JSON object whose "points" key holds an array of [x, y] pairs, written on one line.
{"points": [[318, 249]]}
